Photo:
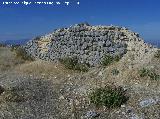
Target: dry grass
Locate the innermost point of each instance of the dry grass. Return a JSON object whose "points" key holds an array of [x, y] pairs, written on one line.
{"points": [[138, 87], [8, 59], [44, 68]]}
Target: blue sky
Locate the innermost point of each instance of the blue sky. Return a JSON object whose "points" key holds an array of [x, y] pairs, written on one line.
{"points": [[23, 22]]}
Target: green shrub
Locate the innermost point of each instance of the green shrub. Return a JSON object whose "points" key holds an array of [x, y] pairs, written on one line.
{"points": [[82, 67], [115, 71], [154, 76], [144, 72], [148, 73], [117, 58], [157, 55], [21, 53], [69, 63], [109, 96], [72, 63], [108, 59]]}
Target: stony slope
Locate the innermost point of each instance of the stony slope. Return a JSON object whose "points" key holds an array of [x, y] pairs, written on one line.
{"points": [[88, 43], [48, 90]]}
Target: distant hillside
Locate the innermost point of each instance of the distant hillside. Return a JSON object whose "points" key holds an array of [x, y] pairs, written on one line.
{"points": [[14, 42], [154, 43]]}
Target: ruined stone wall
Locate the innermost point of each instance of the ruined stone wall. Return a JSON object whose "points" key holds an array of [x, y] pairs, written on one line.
{"points": [[88, 43]]}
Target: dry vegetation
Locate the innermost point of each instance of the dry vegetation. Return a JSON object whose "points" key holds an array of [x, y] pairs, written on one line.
{"points": [[8, 59], [43, 68], [62, 93]]}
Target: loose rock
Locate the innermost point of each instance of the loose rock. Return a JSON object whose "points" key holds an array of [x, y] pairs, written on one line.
{"points": [[91, 114]]}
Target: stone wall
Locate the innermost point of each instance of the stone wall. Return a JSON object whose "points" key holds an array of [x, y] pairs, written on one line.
{"points": [[88, 43]]}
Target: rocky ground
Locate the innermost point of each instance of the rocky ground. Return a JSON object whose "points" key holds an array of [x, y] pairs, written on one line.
{"points": [[46, 90]]}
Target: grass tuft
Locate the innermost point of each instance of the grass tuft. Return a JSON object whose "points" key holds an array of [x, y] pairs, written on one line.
{"points": [[73, 64], [109, 96], [115, 72], [108, 59], [149, 73]]}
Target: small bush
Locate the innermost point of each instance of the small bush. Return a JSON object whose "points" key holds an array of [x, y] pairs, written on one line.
{"points": [[144, 72], [110, 96], [117, 58], [72, 63], [21, 53], [108, 59], [148, 73], [82, 67], [115, 71], [157, 55], [69, 63], [154, 76]]}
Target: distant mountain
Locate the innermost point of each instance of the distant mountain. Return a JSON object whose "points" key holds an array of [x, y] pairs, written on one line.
{"points": [[154, 42], [14, 42]]}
